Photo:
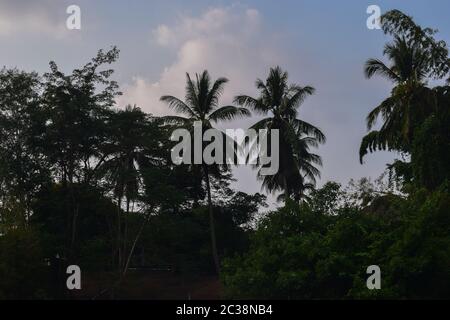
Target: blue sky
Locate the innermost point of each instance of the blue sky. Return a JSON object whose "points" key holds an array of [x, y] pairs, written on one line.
{"points": [[320, 43]]}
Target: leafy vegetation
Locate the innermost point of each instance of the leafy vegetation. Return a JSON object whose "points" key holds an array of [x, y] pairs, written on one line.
{"points": [[86, 182], [307, 252], [321, 248]]}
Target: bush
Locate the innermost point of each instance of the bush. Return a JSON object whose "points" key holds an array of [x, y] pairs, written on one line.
{"points": [[22, 266], [297, 253]]}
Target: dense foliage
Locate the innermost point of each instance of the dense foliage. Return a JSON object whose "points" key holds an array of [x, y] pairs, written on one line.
{"points": [[86, 182], [321, 248], [308, 252]]}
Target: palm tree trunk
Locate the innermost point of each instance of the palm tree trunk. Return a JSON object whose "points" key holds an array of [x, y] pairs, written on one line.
{"points": [[119, 238], [211, 222], [125, 231], [136, 239], [123, 272]]}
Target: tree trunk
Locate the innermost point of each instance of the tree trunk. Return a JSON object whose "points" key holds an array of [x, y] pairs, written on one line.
{"points": [[74, 208], [125, 230], [119, 232], [211, 223], [123, 272], [136, 239]]}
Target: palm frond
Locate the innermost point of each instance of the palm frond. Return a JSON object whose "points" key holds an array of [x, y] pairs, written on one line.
{"points": [[262, 124], [178, 105], [384, 109], [375, 66], [295, 97], [371, 142], [228, 113], [176, 120], [254, 104], [192, 95], [308, 129], [216, 91]]}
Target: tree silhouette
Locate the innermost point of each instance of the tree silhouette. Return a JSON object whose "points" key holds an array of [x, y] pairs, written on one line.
{"points": [[202, 104], [297, 172]]}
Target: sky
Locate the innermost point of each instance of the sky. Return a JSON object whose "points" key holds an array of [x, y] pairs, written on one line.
{"points": [[320, 43]]}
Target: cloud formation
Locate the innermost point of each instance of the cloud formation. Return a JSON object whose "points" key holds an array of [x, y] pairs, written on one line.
{"points": [[226, 41], [46, 17]]}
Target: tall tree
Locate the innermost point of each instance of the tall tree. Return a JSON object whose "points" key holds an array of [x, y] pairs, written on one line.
{"points": [[76, 108], [297, 172], [129, 134], [201, 104], [134, 148], [414, 112], [410, 100], [23, 169]]}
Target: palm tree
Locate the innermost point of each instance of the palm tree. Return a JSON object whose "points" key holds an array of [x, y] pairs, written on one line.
{"points": [[126, 151], [297, 172], [201, 104], [413, 108], [409, 101]]}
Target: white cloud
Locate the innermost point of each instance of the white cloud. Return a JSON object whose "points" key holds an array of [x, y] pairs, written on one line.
{"points": [[226, 41], [41, 18], [229, 42], [164, 35], [214, 23]]}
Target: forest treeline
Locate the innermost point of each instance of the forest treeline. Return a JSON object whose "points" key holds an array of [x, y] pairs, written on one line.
{"points": [[85, 182]]}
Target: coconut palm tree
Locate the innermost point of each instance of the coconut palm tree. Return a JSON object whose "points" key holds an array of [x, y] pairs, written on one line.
{"points": [[297, 172], [413, 108], [126, 150], [201, 104], [410, 100]]}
